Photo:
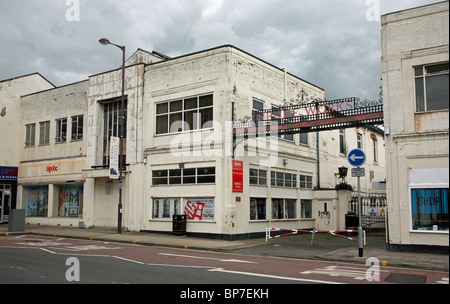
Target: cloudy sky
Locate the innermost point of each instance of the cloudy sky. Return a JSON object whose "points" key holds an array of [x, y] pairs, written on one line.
{"points": [[335, 44]]}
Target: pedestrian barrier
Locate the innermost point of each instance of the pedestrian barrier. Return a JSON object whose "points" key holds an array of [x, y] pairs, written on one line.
{"points": [[313, 232]]}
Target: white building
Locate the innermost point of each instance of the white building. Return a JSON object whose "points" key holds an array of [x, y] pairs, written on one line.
{"points": [[415, 68], [179, 150], [10, 92]]}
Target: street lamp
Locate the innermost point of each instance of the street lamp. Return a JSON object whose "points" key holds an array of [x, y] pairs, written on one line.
{"points": [[104, 41]]}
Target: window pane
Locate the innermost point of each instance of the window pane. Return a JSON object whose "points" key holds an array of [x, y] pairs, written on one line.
{"points": [[257, 209], [291, 206], [277, 209], [442, 68], [206, 116], [206, 101], [176, 106], [190, 118], [190, 103], [430, 209], [162, 124], [437, 92], [420, 95], [176, 122], [306, 209], [418, 71], [162, 108]]}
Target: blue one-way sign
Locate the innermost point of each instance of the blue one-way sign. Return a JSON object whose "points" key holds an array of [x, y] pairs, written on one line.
{"points": [[357, 158]]}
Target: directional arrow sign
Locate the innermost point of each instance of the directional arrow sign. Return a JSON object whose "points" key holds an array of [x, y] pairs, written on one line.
{"points": [[357, 158]]}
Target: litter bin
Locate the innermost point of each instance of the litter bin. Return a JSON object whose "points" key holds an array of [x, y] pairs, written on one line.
{"points": [[351, 221], [179, 225], [16, 220]]}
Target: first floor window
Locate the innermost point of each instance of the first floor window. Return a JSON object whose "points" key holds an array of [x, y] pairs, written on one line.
{"points": [[258, 177], [44, 133], [188, 114], [430, 209], [77, 127], [30, 135], [257, 209], [184, 176], [61, 130], [432, 90]]}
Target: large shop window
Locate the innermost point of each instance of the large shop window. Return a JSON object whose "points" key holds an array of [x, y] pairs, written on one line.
{"points": [[258, 209], [195, 209], [166, 208], [37, 201], [183, 115], [430, 209], [432, 89], [284, 209], [70, 201], [428, 191]]}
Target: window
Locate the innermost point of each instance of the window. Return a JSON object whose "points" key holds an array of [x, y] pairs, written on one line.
{"points": [[430, 209], [258, 177], [70, 201], [305, 182], [37, 201], [304, 139], [77, 127], [280, 179], [284, 209], [342, 143], [277, 114], [375, 147], [306, 209], [44, 133], [166, 208], [112, 127], [61, 130], [182, 115], [432, 87], [257, 107], [184, 176], [30, 135], [257, 209], [359, 143]]}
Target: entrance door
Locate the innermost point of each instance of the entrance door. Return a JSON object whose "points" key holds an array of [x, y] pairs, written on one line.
{"points": [[5, 202]]}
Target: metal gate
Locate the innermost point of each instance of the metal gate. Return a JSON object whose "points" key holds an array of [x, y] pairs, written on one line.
{"points": [[374, 211]]}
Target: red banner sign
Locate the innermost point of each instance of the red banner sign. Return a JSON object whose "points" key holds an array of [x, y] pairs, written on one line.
{"points": [[238, 176]]}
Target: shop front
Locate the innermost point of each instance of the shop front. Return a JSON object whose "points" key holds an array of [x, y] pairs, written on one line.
{"points": [[8, 190], [52, 193]]}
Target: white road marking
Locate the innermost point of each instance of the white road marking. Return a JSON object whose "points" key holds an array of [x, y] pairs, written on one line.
{"points": [[206, 258], [273, 276]]}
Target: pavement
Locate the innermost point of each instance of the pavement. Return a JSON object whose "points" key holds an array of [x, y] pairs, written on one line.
{"points": [[324, 246]]}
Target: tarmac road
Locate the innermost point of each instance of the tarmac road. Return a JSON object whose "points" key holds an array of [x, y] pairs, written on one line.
{"points": [[43, 259]]}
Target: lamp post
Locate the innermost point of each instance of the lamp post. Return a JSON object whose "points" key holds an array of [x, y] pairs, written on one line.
{"points": [[104, 41]]}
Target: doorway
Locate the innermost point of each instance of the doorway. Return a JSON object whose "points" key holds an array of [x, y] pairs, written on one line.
{"points": [[5, 202]]}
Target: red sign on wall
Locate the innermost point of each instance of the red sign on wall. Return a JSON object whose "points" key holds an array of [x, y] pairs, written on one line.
{"points": [[238, 176]]}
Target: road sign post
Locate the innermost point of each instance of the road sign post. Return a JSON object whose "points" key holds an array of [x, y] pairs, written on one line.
{"points": [[357, 158]]}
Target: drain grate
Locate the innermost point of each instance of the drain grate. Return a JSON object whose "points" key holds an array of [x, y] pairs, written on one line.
{"points": [[401, 278]]}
